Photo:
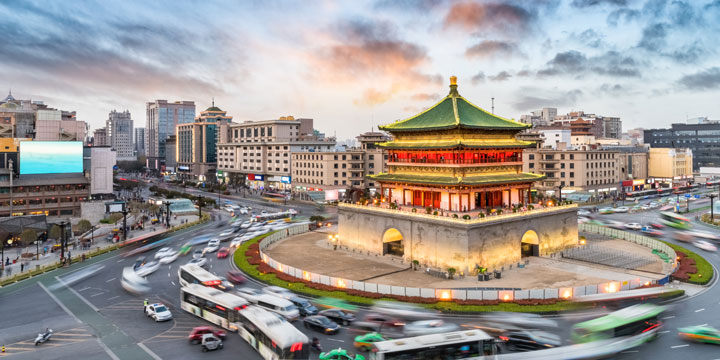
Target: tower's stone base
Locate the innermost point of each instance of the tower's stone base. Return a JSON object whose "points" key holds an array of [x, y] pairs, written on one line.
{"points": [[442, 242]]}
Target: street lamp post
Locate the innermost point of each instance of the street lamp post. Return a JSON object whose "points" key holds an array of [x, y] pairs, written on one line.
{"points": [[124, 212], [712, 213], [62, 238], [10, 166], [200, 204], [167, 214]]}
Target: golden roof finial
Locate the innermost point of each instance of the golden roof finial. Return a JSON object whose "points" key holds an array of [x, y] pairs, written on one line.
{"points": [[453, 80]]}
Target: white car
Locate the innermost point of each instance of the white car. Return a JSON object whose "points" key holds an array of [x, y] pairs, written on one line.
{"points": [[249, 294], [264, 212], [197, 254], [583, 212], [158, 312], [245, 225], [425, 327], [614, 224], [169, 258], [148, 268], [199, 262], [243, 211], [211, 248], [705, 245], [225, 234], [163, 252], [214, 242], [278, 291], [633, 226], [239, 240], [704, 235], [621, 209]]}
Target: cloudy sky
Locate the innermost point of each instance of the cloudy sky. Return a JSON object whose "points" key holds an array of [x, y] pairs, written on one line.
{"points": [[355, 64]]}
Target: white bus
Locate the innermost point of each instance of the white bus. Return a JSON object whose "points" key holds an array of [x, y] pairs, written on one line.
{"points": [[271, 336], [467, 344], [193, 274], [213, 305]]}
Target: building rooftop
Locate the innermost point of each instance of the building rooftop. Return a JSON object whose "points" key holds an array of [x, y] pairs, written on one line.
{"points": [[452, 112], [50, 179]]}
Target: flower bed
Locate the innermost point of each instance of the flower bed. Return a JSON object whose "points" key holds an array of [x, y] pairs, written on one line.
{"points": [[247, 258], [692, 267]]}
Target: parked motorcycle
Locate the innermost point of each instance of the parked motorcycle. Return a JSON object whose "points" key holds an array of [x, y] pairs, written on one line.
{"points": [[43, 337]]}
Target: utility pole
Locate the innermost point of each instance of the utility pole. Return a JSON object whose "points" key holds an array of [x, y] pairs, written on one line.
{"points": [[200, 204], [167, 214], [10, 165], [560, 194], [62, 225], [124, 212]]}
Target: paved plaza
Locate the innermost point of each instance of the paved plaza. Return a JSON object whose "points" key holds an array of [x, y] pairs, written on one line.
{"points": [[312, 252]]}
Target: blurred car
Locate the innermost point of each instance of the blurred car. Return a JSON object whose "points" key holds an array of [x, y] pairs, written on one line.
{"points": [[278, 291], [339, 316], [147, 269], [249, 294], [223, 253], [185, 249], [530, 340], [365, 342], [703, 334], [224, 284], [648, 230], [264, 212], [211, 249], [621, 209], [645, 207], [614, 224], [657, 225], [402, 310], [169, 258], [236, 277], [305, 307], [197, 333], [198, 261], [606, 211], [583, 212], [683, 236], [140, 261], [339, 354], [133, 283], [198, 254], [321, 323], [425, 327], [705, 245], [225, 235], [158, 312], [704, 234], [518, 321], [633, 226], [582, 220], [163, 252]]}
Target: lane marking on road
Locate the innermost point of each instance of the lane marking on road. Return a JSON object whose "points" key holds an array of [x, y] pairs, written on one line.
{"points": [[83, 289], [107, 350], [337, 340], [679, 346], [58, 302], [114, 297], [699, 310], [702, 325], [668, 317], [78, 295], [150, 352], [94, 295], [629, 352], [123, 259], [109, 280], [664, 332]]}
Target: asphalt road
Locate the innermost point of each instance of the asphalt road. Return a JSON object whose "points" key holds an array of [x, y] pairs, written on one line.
{"points": [[96, 319]]}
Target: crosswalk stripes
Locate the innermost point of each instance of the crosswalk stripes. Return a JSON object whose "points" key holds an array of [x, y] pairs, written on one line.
{"points": [[181, 328], [65, 337]]}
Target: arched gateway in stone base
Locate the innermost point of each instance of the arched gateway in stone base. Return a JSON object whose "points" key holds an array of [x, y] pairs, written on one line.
{"points": [[393, 243], [530, 244]]}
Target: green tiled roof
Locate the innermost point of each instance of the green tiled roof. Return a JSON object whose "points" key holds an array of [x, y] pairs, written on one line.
{"points": [[449, 180], [504, 144], [454, 111]]}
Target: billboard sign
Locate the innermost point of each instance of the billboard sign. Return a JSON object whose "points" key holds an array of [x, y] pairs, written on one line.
{"points": [[51, 157], [285, 179]]}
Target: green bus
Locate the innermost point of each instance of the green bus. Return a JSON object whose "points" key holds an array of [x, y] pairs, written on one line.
{"points": [[641, 319], [675, 220]]}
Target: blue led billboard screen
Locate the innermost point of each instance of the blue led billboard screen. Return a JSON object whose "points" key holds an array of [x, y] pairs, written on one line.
{"points": [[51, 157]]}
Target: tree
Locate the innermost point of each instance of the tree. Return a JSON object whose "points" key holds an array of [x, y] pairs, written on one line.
{"points": [[55, 232], [317, 218], [84, 226], [28, 236]]}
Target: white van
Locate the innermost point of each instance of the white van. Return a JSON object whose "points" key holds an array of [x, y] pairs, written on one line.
{"points": [[279, 306]]}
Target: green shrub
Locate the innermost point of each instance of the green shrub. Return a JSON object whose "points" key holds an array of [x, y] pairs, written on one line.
{"points": [[455, 216], [466, 217], [414, 210], [704, 272], [435, 212], [428, 210]]}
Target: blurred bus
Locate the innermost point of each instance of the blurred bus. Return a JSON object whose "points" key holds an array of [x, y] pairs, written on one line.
{"points": [[466, 344], [630, 321], [674, 220]]}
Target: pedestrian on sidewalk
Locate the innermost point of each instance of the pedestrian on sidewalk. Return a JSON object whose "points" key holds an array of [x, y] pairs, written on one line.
{"points": [[22, 267]]}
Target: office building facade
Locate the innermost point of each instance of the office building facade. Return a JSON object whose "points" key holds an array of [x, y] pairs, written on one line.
{"points": [[119, 127], [703, 140], [139, 142], [161, 118], [100, 137], [197, 144]]}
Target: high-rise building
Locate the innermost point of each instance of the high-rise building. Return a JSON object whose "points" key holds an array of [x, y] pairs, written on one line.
{"points": [[702, 139], [197, 144], [162, 117], [119, 127], [140, 141], [100, 137]]}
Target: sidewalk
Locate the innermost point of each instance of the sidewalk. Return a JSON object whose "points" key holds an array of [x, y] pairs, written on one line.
{"points": [[75, 251]]}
